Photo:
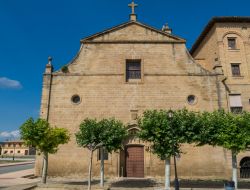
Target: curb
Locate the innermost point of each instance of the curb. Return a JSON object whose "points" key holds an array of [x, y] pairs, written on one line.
{"points": [[17, 164], [21, 187]]}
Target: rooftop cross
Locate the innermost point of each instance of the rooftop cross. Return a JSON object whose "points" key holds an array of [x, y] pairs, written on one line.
{"points": [[133, 5]]}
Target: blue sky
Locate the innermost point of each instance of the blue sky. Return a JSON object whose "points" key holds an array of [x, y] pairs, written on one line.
{"points": [[32, 30]]}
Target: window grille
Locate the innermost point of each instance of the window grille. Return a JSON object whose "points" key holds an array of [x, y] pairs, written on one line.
{"points": [[133, 69]]}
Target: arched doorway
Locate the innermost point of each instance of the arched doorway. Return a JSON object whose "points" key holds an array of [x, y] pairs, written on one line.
{"points": [[132, 157], [245, 167]]}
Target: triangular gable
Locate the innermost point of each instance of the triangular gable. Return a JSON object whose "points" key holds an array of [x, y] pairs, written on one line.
{"points": [[132, 31]]}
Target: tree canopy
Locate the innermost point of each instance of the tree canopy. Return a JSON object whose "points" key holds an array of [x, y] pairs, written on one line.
{"points": [[167, 130], [42, 136]]}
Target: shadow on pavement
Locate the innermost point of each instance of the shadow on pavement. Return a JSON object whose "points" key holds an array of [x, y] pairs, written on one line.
{"points": [[94, 182], [145, 183], [209, 184], [134, 183]]}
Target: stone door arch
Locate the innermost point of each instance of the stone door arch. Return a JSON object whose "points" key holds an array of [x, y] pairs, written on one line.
{"points": [[132, 157], [245, 168]]}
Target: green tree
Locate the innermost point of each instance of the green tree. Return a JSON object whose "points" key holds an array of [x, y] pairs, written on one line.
{"points": [[44, 138], [113, 133], [107, 133], [89, 137], [167, 130], [235, 136], [228, 130]]}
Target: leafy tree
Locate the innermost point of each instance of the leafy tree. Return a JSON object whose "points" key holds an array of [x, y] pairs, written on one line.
{"points": [[113, 133], [44, 138], [235, 136], [167, 130], [89, 137], [107, 133], [228, 130]]}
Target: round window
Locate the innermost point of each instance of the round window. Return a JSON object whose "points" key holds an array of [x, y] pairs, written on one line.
{"points": [[191, 99], [76, 99]]}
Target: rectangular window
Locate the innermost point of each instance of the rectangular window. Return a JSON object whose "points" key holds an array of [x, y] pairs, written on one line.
{"points": [[105, 154], [133, 69], [236, 110], [235, 103], [235, 69], [231, 43]]}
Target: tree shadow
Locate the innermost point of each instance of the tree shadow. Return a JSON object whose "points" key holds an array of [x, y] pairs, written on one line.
{"points": [[134, 183], [93, 182], [209, 184]]}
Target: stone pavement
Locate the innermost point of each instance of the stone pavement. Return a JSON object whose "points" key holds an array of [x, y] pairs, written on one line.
{"points": [[18, 180], [129, 184]]}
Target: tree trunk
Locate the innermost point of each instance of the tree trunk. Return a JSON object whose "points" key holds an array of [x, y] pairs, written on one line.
{"points": [[45, 167], [234, 169], [167, 174], [102, 167], [90, 169]]}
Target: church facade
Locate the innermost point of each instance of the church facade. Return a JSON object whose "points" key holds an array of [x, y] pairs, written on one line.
{"points": [[133, 67]]}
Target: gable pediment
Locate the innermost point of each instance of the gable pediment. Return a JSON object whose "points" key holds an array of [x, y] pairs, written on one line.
{"points": [[132, 32]]}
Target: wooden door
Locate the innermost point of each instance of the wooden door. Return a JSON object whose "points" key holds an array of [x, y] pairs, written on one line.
{"points": [[135, 161]]}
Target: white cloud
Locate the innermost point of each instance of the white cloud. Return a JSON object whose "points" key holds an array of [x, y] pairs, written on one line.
{"points": [[8, 83], [12, 135]]}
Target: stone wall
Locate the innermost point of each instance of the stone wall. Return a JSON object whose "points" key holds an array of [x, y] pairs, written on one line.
{"points": [[97, 75]]}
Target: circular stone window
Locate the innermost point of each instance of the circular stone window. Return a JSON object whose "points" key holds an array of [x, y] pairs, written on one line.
{"points": [[76, 99], [191, 99]]}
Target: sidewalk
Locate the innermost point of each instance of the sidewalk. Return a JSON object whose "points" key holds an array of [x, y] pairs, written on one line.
{"points": [[15, 180], [16, 163], [121, 184]]}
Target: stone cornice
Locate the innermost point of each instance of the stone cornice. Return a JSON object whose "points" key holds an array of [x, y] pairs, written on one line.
{"points": [[135, 42], [122, 74]]}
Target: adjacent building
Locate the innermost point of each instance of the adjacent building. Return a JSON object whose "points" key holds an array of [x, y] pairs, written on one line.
{"points": [[16, 148]]}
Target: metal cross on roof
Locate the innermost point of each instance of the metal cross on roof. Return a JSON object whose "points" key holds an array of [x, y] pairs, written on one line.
{"points": [[133, 5]]}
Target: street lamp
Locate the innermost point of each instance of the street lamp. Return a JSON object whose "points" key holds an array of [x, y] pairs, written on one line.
{"points": [[176, 181]]}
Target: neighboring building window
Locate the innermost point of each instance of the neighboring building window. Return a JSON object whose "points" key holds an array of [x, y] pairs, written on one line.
{"points": [[105, 154], [235, 69], [18, 151], [6, 151], [231, 43], [11, 151], [133, 69], [235, 103]]}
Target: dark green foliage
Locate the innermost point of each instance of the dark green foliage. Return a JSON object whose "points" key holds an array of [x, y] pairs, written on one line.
{"points": [[113, 133], [167, 131], [89, 134], [235, 133], [107, 132], [225, 129], [65, 69]]}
